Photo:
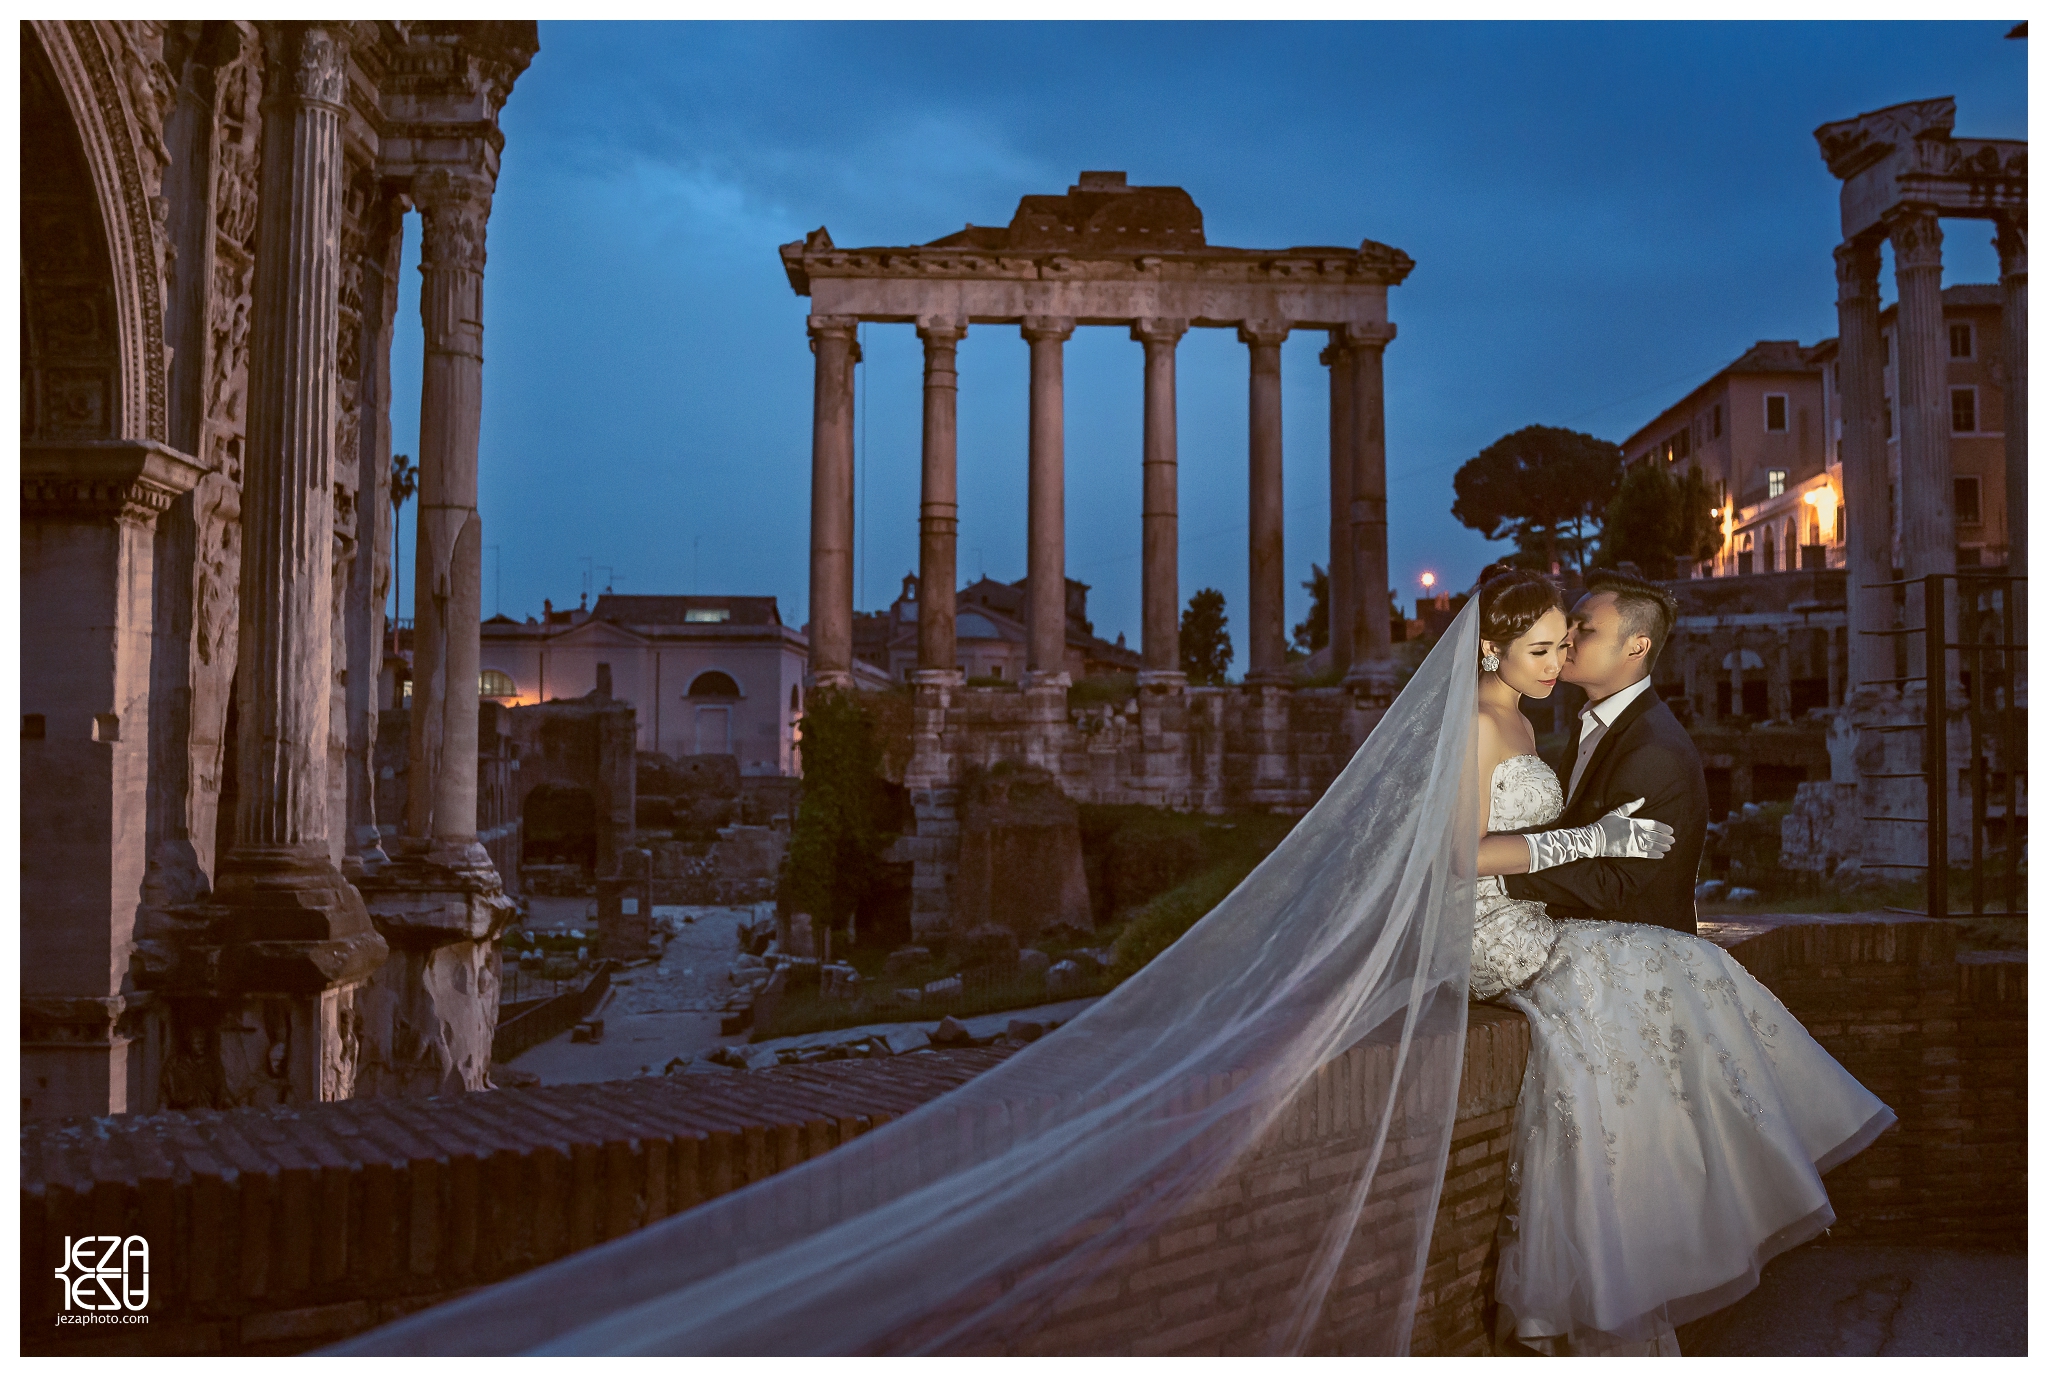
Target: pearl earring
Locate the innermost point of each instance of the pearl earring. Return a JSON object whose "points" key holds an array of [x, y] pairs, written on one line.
{"points": [[1489, 662]]}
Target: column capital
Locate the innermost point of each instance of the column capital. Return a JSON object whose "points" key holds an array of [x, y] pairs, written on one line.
{"points": [[1915, 234], [1158, 330], [940, 329], [2011, 241], [315, 57], [1336, 353], [844, 327], [1038, 328], [454, 213], [1268, 333], [1358, 337]]}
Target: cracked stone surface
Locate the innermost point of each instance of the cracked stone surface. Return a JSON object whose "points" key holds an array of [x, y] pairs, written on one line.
{"points": [[1849, 1300]]}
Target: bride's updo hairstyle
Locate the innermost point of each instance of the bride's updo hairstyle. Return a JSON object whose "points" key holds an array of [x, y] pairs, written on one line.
{"points": [[1512, 600]]}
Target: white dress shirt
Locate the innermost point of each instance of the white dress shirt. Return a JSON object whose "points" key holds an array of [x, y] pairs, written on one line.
{"points": [[1594, 721]]}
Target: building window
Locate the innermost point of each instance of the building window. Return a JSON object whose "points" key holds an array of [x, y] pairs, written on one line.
{"points": [[1774, 411], [1969, 501], [707, 614], [1887, 419], [995, 672], [1774, 482], [1717, 420], [1962, 410], [713, 684], [1884, 350], [1962, 341], [1969, 556], [796, 701], [496, 683]]}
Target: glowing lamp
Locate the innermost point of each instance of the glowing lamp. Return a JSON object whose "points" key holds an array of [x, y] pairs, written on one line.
{"points": [[1429, 580]]}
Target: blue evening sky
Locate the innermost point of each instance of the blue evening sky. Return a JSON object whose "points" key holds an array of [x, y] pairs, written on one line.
{"points": [[1601, 215]]}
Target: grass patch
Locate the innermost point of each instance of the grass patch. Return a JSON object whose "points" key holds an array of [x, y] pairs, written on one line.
{"points": [[1233, 851], [1099, 689]]}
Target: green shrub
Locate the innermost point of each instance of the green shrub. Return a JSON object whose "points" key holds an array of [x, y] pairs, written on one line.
{"points": [[836, 842]]}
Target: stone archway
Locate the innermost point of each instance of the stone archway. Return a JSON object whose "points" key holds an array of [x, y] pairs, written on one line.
{"points": [[71, 347], [98, 82]]}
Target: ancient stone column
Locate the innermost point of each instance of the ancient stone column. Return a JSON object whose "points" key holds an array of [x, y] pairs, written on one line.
{"points": [[836, 348], [1046, 510], [1338, 359], [1865, 469], [1161, 519], [1778, 683], [1372, 668], [370, 576], [938, 523], [448, 560], [1268, 564], [1927, 528], [2012, 276], [296, 928]]}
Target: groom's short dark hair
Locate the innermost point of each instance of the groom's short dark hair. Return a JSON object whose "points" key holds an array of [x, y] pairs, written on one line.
{"points": [[1646, 609]]}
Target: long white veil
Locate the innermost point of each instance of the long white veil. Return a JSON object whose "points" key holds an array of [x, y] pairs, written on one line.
{"points": [[964, 1224]]}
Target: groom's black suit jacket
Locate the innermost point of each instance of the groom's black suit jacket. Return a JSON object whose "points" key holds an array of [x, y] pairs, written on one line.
{"points": [[1646, 754]]}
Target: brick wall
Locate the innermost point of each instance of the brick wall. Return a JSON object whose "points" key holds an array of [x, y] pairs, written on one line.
{"points": [[1943, 1041], [275, 1231], [279, 1230]]}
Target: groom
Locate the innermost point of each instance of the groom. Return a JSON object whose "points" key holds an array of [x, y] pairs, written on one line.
{"points": [[1627, 746]]}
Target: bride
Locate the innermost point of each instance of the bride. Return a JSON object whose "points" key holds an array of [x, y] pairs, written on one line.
{"points": [[1670, 1129], [1642, 1198]]}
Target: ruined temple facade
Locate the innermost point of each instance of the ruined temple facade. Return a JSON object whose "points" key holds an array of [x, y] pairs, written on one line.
{"points": [[1132, 258], [211, 224]]}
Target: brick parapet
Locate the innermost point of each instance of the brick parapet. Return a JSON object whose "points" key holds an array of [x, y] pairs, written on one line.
{"points": [[1939, 1037], [283, 1229]]}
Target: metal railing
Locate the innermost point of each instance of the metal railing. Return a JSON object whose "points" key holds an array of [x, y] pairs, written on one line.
{"points": [[1992, 679]]}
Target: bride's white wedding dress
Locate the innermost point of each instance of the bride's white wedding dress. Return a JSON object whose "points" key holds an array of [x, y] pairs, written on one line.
{"points": [[1673, 1122]]}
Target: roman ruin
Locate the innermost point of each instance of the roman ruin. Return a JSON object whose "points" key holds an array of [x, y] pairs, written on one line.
{"points": [[1903, 172], [212, 217], [1130, 258]]}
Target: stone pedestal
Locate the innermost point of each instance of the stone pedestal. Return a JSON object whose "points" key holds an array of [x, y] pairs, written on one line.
{"points": [[625, 907], [1020, 854], [428, 1015]]}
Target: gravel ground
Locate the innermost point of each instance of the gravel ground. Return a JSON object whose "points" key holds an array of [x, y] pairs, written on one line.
{"points": [[657, 1012]]}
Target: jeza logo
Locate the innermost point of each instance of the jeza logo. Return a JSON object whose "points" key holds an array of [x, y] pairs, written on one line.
{"points": [[105, 1272]]}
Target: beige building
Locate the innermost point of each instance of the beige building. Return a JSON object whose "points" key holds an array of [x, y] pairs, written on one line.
{"points": [[990, 636], [706, 675], [1767, 431]]}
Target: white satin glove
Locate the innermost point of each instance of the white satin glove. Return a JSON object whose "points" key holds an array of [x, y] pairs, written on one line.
{"points": [[1618, 834]]}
